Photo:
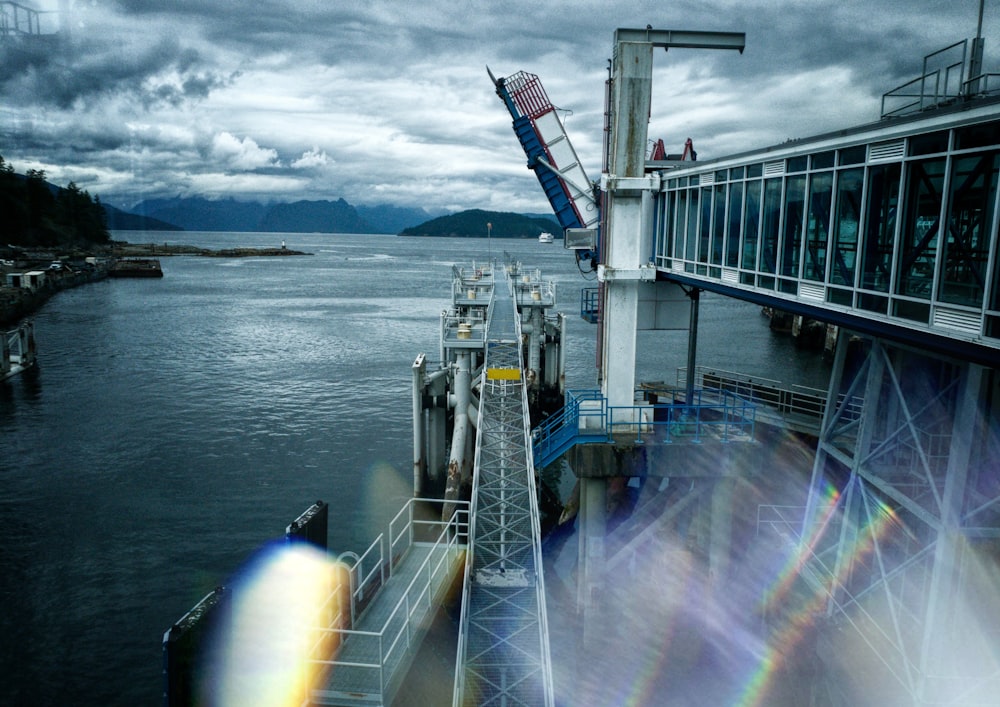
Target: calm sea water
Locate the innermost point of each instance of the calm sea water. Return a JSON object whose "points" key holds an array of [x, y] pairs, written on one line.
{"points": [[174, 426]]}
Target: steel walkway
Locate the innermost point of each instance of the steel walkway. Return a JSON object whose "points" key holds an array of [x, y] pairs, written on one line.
{"points": [[393, 596], [503, 653]]}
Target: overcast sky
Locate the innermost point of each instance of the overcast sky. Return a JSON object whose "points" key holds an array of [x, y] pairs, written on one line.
{"points": [[389, 102]]}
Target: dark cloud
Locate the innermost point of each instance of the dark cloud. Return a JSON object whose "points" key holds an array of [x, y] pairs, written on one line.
{"points": [[308, 99]]}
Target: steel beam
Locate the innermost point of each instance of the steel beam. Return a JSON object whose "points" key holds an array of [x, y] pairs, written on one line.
{"points": [[683, 39]]}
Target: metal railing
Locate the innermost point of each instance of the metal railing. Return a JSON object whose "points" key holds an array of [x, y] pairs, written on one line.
{"points": [[586, 417], [390, 643], [723, 416], [934, 86], [786, 399], [503, 644]]}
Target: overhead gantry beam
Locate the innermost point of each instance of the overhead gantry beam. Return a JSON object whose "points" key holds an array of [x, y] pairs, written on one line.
{"points": [[683, 39]]}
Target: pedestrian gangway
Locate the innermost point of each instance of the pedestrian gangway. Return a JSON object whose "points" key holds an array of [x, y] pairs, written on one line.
{"points": [[503, 653], [887, 229], [366, 643]]}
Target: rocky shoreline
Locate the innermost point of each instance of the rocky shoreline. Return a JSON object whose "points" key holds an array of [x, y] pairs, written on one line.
{"points": [[139, 250], [78, 268]]}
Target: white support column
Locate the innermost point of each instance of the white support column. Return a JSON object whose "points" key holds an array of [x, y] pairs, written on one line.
{"points": [[419, 461], [633, 66]]}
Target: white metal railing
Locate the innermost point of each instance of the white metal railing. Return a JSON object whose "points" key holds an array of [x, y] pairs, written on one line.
{"points": [[392, 640]]}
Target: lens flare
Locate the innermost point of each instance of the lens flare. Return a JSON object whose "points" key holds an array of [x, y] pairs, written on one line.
{"points": [[270, 645], [799, 620]]}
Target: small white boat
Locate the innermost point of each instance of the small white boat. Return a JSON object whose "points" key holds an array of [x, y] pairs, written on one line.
{"points": [[545, 237]]}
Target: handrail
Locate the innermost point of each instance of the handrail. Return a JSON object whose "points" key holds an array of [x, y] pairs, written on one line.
{"points": [[723, 414], [397, 624], [727, 419], [931, 88], [767, 392]]}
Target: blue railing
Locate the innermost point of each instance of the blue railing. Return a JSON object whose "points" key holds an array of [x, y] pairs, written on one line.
{"points": [[561, 431], [586, 417]]}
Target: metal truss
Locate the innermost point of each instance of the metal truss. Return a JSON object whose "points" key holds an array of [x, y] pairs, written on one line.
{"points": [[902, 509], [503, 653]]}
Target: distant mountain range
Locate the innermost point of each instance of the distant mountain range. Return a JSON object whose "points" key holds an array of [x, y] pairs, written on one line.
{"points": [[200, 214]]}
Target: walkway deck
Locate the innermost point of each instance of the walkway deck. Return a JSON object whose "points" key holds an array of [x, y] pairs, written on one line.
{"points": [[374, 655]]}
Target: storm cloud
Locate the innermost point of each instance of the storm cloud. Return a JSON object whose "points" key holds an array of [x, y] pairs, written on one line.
{"points": [[389, 102]]}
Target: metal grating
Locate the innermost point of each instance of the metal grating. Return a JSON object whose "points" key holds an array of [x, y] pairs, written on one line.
{"points": [[503, 652]]}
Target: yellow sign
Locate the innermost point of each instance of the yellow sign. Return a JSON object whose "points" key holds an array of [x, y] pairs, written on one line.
{"points": [[503, 374]]}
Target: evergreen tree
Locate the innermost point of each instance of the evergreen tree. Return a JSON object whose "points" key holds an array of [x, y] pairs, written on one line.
{"points": [[34, 216]]}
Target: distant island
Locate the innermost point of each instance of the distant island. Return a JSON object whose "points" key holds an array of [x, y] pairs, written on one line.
{"points": [[477, 223]]}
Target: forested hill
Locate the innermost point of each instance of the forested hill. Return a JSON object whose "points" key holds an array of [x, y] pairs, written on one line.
{"points": [[36, 213], [477, 223]]}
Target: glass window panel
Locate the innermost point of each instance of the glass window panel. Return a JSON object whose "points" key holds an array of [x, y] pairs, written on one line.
{"points": [[791, 240], [921, 228], [721, 175], [797, 164], [691, 250], [845, 226], [853, 155], [737, 172], [769, 231], [873, 303], [751, 226], [818, 225], [705, 232], [733, 232], [664, 224], [823, 160], [883, 200], [718, 224], [928, 143], [916, 311], [845, 297], [755, 170], [680, 229], [982, 135], [970, 223], [789, 287]]}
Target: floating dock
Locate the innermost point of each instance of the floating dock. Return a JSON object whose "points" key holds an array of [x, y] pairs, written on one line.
{"points": [[136, 267]]}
